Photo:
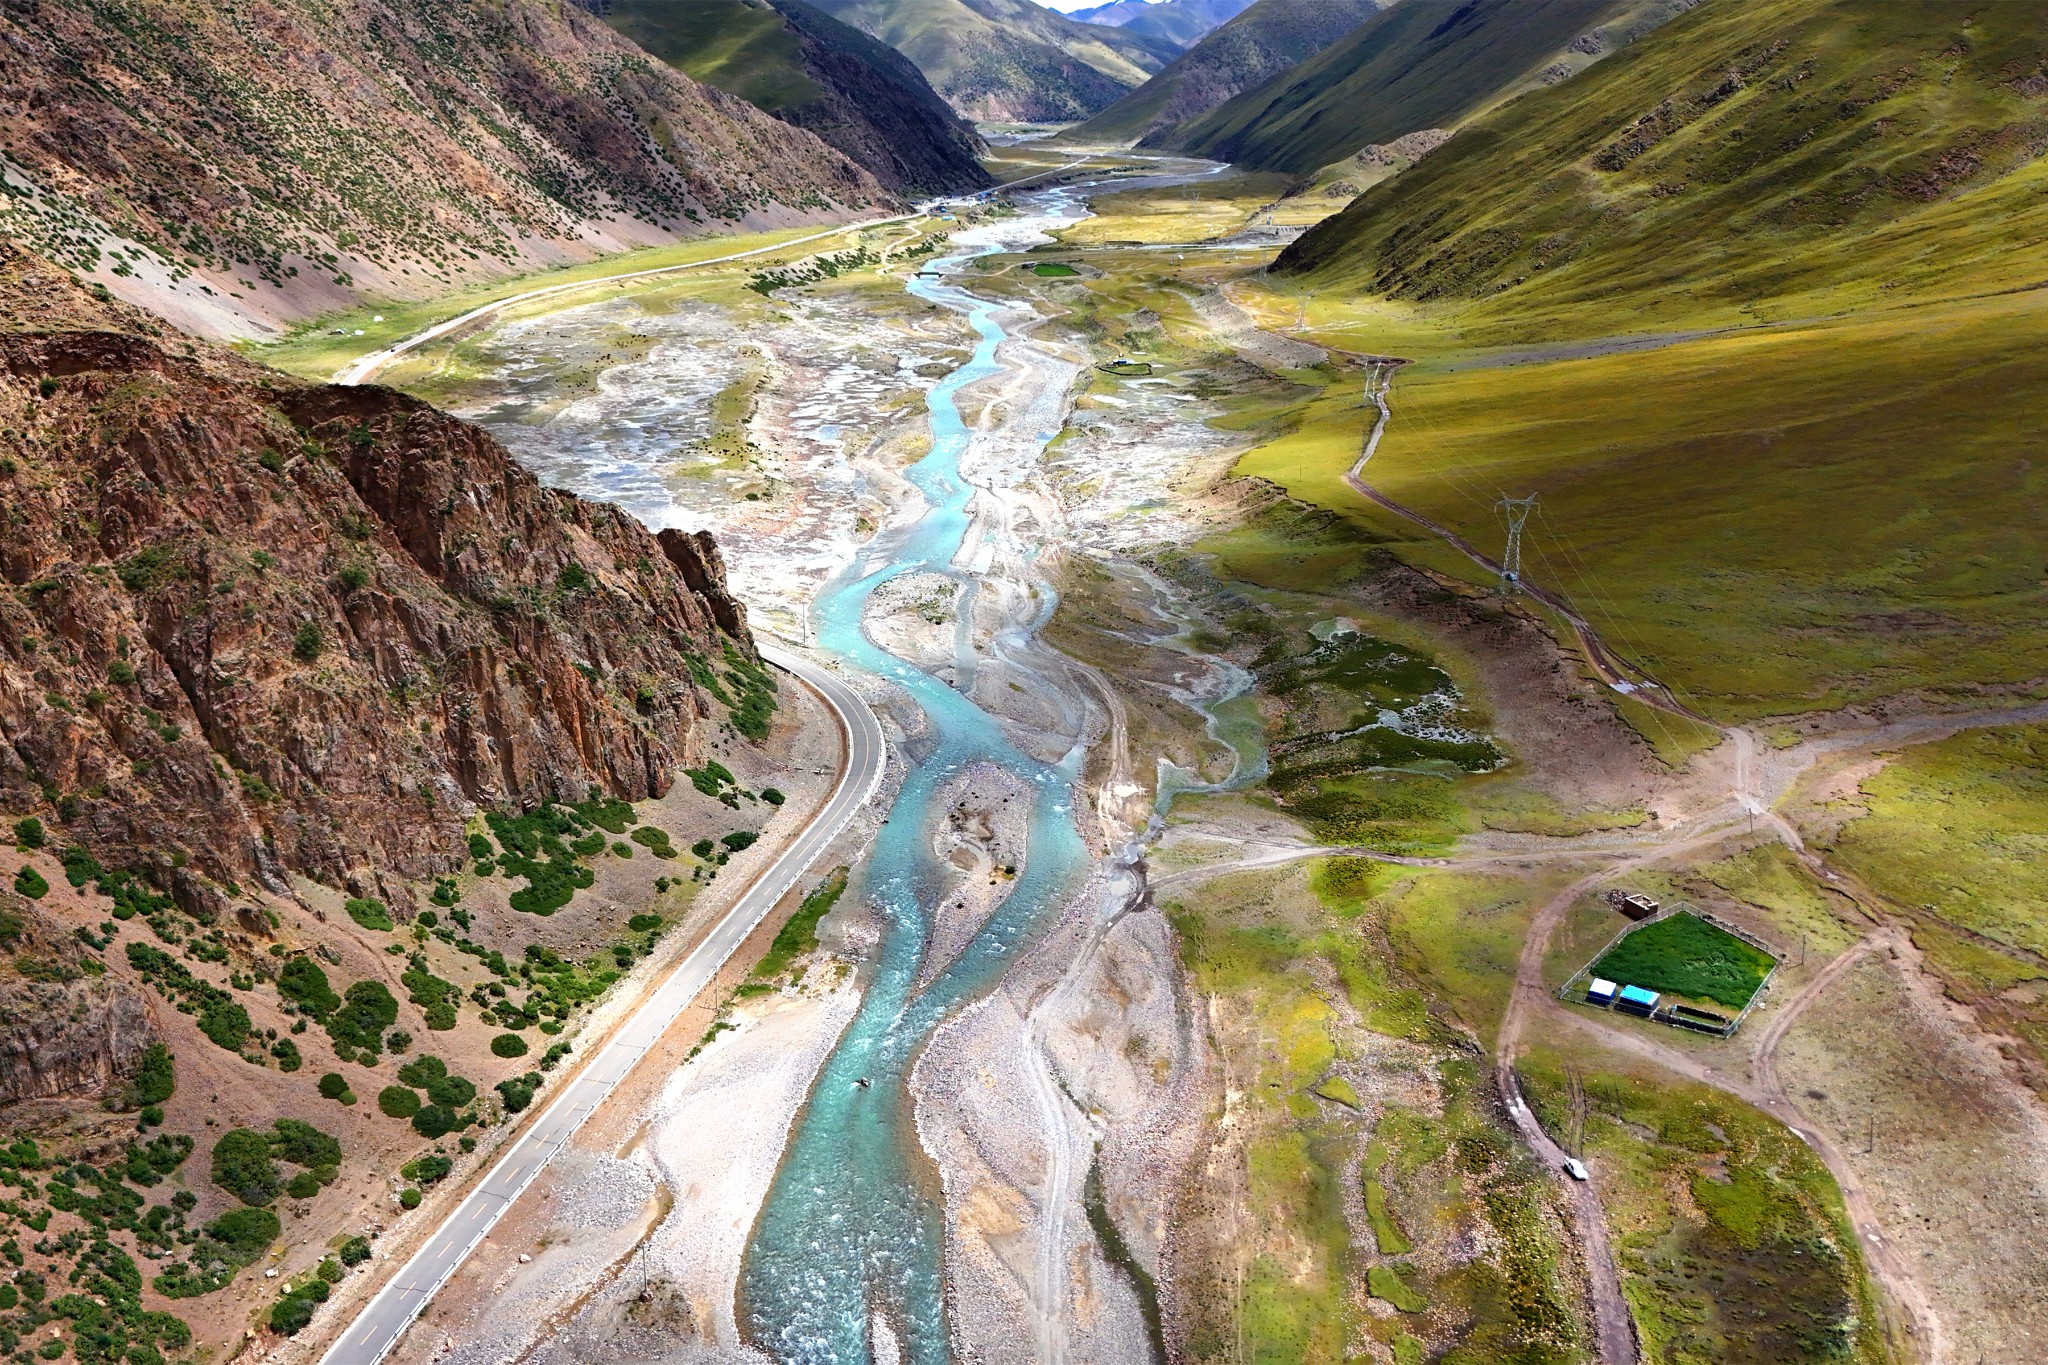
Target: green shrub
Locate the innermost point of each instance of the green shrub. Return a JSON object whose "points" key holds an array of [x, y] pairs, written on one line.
{"points": [[451, 1092], [703, 848], [367, 1010], [307, 642], [28, 832], [508, 1045], [354, 1251], [434, 1121], [333, 1085], [371, 914], [398, 1101], [422, 1071], [772, 796], [408, 1198], [290, 1314], [287, 1053], [480, 848], [155, 1079], [739, 839], [31, 883], [427, 1169], [643, 924], [120, 672], [302, 1144], [304, 984], [655, 841], [226, 1023], [304, 1185], [243, 1167], [518, 1092]]}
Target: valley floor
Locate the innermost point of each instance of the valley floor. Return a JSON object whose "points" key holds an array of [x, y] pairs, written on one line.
{"points": [[1287, 1077]]}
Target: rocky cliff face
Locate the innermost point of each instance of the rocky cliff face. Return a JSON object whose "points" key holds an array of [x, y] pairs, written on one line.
{"points": [[229, 166], [64, 1032], [250, 626]]}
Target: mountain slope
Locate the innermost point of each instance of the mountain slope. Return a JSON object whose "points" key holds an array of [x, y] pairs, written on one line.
{"points": [[1267, 39], [857, 94], [1009, 59], [257, 167], [1744, 152], [1180, 22], [1421, 64], [256, 627]]}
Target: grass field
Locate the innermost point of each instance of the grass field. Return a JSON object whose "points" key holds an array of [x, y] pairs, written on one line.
{"points": [[1685, 955], [1347, 969], [1955, 836], [1680, 488], [314, 351], [1730, 1235]]}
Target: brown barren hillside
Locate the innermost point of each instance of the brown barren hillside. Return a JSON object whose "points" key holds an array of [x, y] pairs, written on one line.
{"points": [[233, 167]]}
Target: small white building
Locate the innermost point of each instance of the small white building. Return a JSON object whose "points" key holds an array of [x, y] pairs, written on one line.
{"points": [[1601, 992]]}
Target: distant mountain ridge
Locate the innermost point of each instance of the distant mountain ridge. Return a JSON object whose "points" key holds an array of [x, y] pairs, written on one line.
{"points": [[808, 69], [1418, 64], [1264, 40], [236, 170], [1180, 22], [1004, 60]]}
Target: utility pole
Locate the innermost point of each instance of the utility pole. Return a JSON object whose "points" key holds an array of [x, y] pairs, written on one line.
{"points": [[1518, 510]]}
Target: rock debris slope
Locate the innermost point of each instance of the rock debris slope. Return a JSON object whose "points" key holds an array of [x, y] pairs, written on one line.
{"points": [[250, 626]]}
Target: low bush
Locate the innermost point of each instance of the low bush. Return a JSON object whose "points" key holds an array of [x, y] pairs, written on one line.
{"points": [[31, 883], [434, 1121], [408, 1198], [371, 914], [28, 832], [243, 1167], [398, 1101], [508, 1045]]}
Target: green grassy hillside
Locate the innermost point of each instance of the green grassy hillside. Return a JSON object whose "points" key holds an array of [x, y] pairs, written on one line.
{"points": [[1751, 305], [1770, 158], [809, 69], [1009, 59], [1266, 39], [1421, 64], [744, 47]]}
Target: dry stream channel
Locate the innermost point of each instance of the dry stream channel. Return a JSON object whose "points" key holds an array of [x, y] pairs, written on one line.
{"points": [[848, 1257]]}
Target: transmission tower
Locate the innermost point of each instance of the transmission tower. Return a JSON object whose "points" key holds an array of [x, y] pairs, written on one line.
{"points": [[1518, 510]]}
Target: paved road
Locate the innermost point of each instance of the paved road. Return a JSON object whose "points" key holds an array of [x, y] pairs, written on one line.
{"points": [[384, 1320]]}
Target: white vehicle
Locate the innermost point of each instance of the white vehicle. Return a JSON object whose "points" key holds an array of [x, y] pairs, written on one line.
{"points": [[1576, 1169]]}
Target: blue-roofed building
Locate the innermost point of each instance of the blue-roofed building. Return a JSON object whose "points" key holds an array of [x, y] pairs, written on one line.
{"points": [[1636, 1000]]}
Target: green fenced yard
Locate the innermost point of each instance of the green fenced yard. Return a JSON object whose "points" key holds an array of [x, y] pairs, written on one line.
{"points": [[1684, 955]]}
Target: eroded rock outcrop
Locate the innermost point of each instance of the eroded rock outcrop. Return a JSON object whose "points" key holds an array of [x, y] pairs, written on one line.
{"points": [[251, 626], [64, 1032]]}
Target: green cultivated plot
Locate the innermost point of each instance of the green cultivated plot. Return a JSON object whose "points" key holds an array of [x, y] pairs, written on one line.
{"points": [[1687, 956]]}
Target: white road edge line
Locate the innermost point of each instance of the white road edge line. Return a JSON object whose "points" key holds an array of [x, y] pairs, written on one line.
{"points": [[378, 1328]]}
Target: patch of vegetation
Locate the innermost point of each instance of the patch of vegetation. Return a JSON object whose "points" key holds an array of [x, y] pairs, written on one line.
{"points": [[221, 1017], [435, 997], [155, 1079], [1730, 1236], [31, 883], [798, 937], [369, 913], [1385, 1283], [225, 1245], [1685, 955]]}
